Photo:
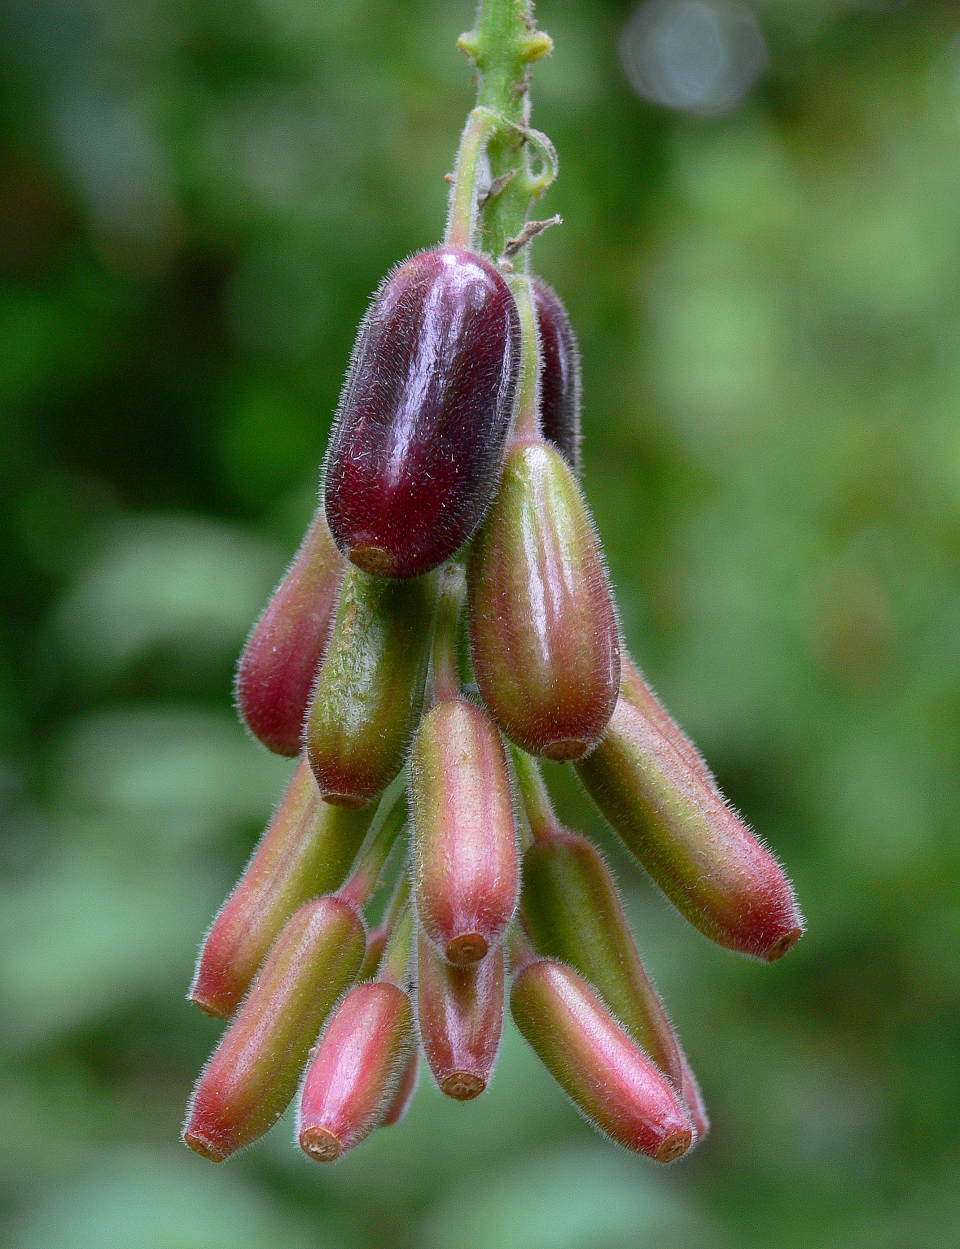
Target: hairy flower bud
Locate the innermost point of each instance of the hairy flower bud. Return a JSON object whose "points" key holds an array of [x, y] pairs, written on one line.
{"points": [[414, 455], [572, 913], [405, 1090], [280, 660], [353, 1077], [542, 625], [559, 374], [369, 692], [608, 1077], [307, 849], [464, 844], [254, 1071], [460, 1012], [693, 1099], [699, 852], [634, 688]]}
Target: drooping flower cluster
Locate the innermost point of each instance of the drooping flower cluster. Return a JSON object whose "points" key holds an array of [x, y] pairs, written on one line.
{"points": [[448, 620]]}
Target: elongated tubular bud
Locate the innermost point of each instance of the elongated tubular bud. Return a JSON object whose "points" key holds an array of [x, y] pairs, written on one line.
{"points": [[572, 913], [609, 1078], [693, 1100], [369, 692], [703, 857], [542, 626], [464, 841], [307, 849], [460, 1011], [405, 1090], [280, 660], [414, 456], [359, 1062], [254, 1072], [634, 688], [559, 374]]}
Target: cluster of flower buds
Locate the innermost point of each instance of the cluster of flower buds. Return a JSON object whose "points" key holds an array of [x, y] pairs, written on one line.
{"points": [[447, 621]]}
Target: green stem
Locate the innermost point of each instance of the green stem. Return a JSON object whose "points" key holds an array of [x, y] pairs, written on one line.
{"points": [[396, 957], [533, 791], [526, 409], [363, 880], [446, 633], [503, 44]]}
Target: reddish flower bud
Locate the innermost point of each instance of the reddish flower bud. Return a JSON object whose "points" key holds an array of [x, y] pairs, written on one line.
{"points": [[405, 1091], [460, 1011], [369, 692], [413, 458], [542, 625], [253, 1073], [355, 1072], [307, 849], [699, 852], [280, 660], [634, 688], [609, 1078], [559, 374], [572, 913], [464, 844]]}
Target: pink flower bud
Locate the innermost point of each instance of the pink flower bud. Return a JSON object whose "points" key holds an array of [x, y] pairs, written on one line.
{"points": [[699, 852], [572, 913], [414, 456], [460, 1011], [542, 626], [280, 660], [254, 1071], [359, 1062], [307, 849], [608, 1077], [369, 692], [464, 845]]}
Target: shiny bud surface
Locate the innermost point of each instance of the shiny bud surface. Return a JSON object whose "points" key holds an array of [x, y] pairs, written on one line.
{"points": [[464, 843], [542, 626], [280, 660], [414, 455], [572, 913], [306, 850], [559, 374], [608, 1077], [253, 1073], [460, 1012], [356, 1070], [369, 692], [703, 857]]}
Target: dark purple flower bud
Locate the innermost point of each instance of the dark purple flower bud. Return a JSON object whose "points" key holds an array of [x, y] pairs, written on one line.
{"points": [[253, 1073], [414, 456], [460, 1011], [464, 844], [559, 374], [703, 857], [307, 849], [606, 1074], [369, 692], [356, 1070], [542, 626], [280, 660]]}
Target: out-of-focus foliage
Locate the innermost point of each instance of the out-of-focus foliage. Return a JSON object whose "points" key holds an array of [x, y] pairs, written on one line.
{"points": [[196, 198]]}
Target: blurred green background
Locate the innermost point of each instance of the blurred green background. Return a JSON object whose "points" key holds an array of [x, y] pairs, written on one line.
{"points": [[196, 199]]}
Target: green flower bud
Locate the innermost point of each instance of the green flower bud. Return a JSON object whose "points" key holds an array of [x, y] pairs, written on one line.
{"points": [[369, 692]]}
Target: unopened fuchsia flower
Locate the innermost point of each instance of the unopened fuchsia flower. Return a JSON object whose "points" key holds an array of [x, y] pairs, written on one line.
{"points": [[447, 621]]}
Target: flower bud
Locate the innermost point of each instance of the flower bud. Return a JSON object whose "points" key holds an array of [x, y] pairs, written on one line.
{"points": [[307, 849], [460, 1012], [414, 456], [608, 1077], [253, 1073], [280, 660], [542, 626], [572, 913], [405, 1090], [703, 857], [369, 692], [634, 688], [355, 1072], [693, 1100], [559, 374], [464, 842]]}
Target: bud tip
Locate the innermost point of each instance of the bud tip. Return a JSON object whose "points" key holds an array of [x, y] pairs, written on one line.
{"points": [[320, 1144], [469, 947], [211, 1008], [564, 750], [674, 1145], [462, 1086], [786, 942], [372, 559], [204, 1148], [345, 800]]}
